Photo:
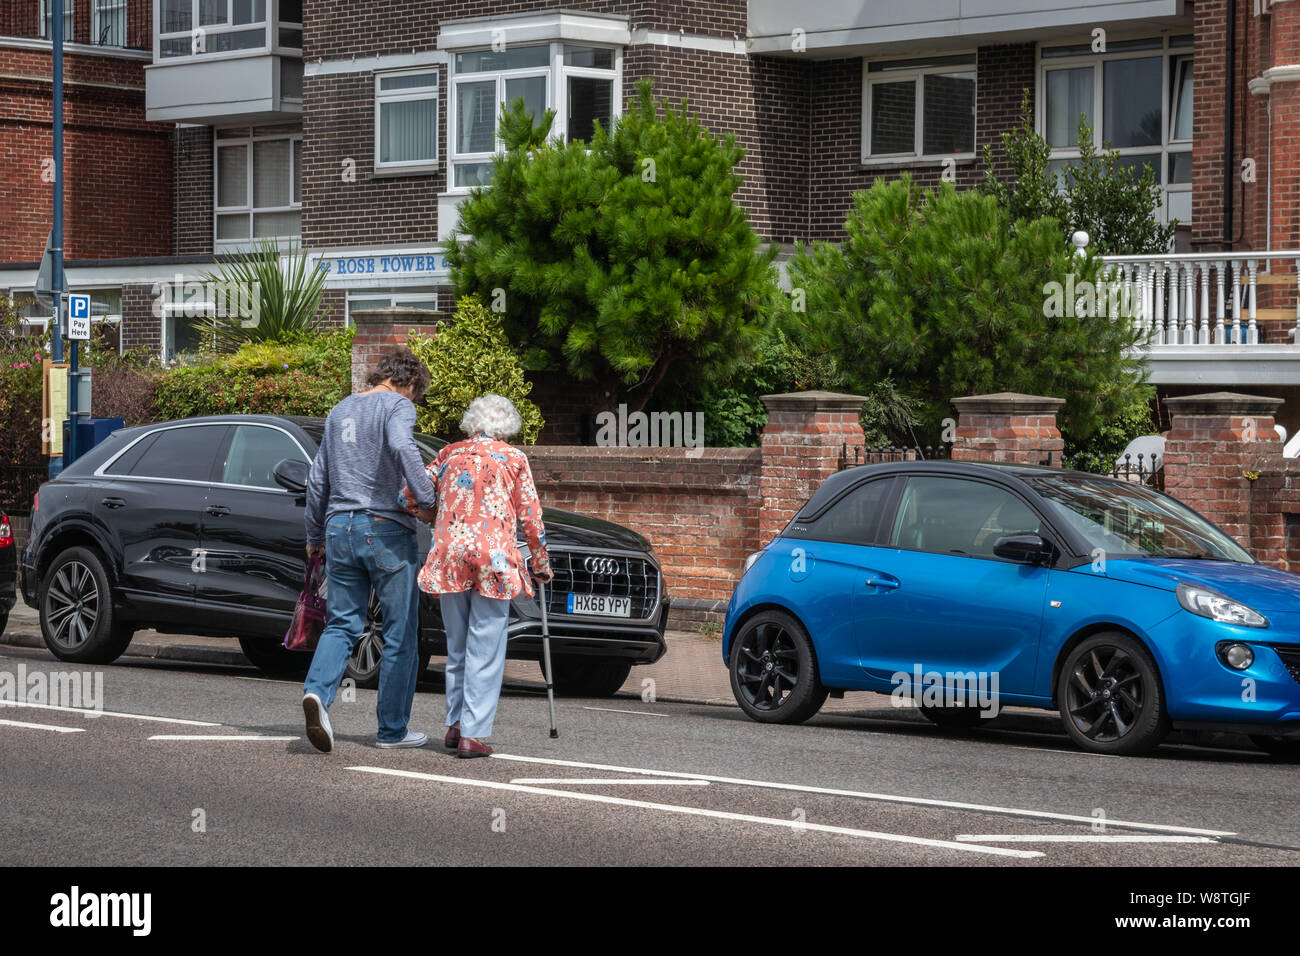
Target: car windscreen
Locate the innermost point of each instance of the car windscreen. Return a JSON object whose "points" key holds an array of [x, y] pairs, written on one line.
{"points": [[1127, 519]]}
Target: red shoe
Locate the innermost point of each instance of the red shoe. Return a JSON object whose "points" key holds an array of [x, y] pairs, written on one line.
{"points": [[469, 747], [452, 740]]}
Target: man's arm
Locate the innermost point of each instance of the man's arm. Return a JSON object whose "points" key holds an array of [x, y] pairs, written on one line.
{"points": [[318, 497], [400, 436]]}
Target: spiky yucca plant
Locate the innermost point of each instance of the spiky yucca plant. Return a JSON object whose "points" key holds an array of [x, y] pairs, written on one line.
{"points": [[285, 298]]}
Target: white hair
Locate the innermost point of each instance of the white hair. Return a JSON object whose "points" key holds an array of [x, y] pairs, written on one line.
{"points": [[492, 415]]}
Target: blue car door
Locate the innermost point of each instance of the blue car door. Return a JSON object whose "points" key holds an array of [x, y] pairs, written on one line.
{"points": [[939, 601]]}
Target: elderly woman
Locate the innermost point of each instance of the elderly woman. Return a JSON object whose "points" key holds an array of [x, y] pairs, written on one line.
{"points": [[485, 489]]}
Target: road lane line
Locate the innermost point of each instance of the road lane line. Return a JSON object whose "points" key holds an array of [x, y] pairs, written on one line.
{"points": [[1079, 838], [797, 825], [86, 712], [61, 730], [610, 781], [217, 737], [862, 795], [615, 710]]}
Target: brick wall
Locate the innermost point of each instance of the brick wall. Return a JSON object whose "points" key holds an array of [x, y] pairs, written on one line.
{"points": [[140, 327], [1008, 427], [18, 18], [379, 331], [118, 168], [192, 210]]}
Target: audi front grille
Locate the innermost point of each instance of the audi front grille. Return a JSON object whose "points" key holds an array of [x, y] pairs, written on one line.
{"points": [[616, 575]]}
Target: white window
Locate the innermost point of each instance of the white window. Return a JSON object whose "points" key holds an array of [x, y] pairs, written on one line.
{"points": [[1137, 97], [414, 297], [47, 20], [203, 27], [919, 108], [257, 185], [108, 25], [580, 82], [406, 120]]}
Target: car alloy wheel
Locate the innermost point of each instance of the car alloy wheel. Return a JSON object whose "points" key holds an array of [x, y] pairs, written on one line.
{"points": [[72, 603], [363, 665], [774, 670], [1110, 696]]}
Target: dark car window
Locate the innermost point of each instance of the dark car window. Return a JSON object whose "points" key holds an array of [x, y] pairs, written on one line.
{"points": [[131, 457], [184, 454], [254, 452], [956, 516], [854, 519]]}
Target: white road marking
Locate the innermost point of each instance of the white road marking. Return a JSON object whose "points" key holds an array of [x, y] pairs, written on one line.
{"points": [[1073, 753], [61, 730], [1079, 838], [615, 710], [861, 795], [85, 712], [610, 781], [792, 824], [217, 737]]}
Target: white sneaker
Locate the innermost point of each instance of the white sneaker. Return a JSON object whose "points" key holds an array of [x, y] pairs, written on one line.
{"points": [[413, 738], [319, 731]]}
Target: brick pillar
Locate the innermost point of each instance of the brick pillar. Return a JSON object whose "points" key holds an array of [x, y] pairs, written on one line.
{"points": [[802, 444], [1008, 427], [1224, 458], [380, 330]]}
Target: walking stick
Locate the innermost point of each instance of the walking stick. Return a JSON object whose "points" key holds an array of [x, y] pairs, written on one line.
{"points": [[546, 655]]}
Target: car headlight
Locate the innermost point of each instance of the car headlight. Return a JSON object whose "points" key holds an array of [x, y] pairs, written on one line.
{"points": [[749, 561], [1216, 607]]}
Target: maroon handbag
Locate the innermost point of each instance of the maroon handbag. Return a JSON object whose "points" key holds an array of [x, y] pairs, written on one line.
{"points": [[309, 614]]}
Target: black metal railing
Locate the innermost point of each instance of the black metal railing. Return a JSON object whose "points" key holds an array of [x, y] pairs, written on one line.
{"points": [[1142, 468], [18, 484], [875, 454]]}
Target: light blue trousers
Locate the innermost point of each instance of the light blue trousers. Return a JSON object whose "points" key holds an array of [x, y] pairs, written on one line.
{"points": [[476, 659]]}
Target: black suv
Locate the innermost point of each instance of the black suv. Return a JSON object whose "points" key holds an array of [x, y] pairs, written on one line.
{"points": [[196, 527]]}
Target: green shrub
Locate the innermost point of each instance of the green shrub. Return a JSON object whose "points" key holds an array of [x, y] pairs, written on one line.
{"points": [[936, 292], [1107, 443], [20, 389], [304, 378], [466, 359]]}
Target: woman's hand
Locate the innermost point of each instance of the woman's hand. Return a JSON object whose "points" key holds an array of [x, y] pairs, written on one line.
{"points": [[427, 515]]}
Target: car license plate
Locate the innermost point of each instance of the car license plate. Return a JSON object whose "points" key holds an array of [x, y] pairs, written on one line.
{"points": [[600, 604]]}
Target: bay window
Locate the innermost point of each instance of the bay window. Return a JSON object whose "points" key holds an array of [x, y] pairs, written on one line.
{"points": [[205, 27], [919, 108], [1136, 97], [257, 185], [579, 82]]}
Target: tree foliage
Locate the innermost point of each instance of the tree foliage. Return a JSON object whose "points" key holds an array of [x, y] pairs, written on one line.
{"points": [[1114, 204], [935, 292], [467, 359], [625, 261]]}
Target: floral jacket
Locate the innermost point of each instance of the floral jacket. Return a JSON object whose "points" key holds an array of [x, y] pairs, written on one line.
{"points": [[484, 487]]}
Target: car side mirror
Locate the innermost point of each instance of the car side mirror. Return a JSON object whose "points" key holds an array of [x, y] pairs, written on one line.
{"points": [[1025, 547], [291, 475]]}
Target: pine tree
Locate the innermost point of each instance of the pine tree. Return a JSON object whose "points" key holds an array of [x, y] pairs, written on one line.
{"points": [[625, 261]]}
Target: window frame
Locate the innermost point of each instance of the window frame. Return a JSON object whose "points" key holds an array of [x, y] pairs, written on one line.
{"points": [[271, 26], [98, 8], [396, 299], [556, 74], [433, 93], [45, 21], [219, 142], [1170, 54], [915, 74]]}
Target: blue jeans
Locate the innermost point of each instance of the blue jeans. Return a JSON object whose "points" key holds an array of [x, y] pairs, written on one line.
{"points": [[364, 552], [476, 659]]}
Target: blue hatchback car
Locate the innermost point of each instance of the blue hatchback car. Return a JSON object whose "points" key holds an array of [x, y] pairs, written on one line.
{"points": [[963, 587]]}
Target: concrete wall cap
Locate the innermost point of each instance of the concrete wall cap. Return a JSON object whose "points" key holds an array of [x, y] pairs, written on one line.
{"points": [[1007, 403], [1222, 403], [814, 401], [402, 315]]}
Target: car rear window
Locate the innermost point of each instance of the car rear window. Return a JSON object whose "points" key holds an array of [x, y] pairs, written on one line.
{"points": [[185, 453]]}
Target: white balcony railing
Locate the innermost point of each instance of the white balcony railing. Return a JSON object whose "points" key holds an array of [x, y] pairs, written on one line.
{"points": [[1208, 298]]}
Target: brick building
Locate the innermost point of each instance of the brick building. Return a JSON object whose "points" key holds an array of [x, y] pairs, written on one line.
{"points": [[356, 128]]}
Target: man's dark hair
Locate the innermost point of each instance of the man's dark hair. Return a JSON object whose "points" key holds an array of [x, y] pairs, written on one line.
{"points": [[400, 366]]}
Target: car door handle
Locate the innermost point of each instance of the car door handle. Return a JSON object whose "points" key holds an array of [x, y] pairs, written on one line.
{"points": [[883, 581], [217, 511], [113, 503]]}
